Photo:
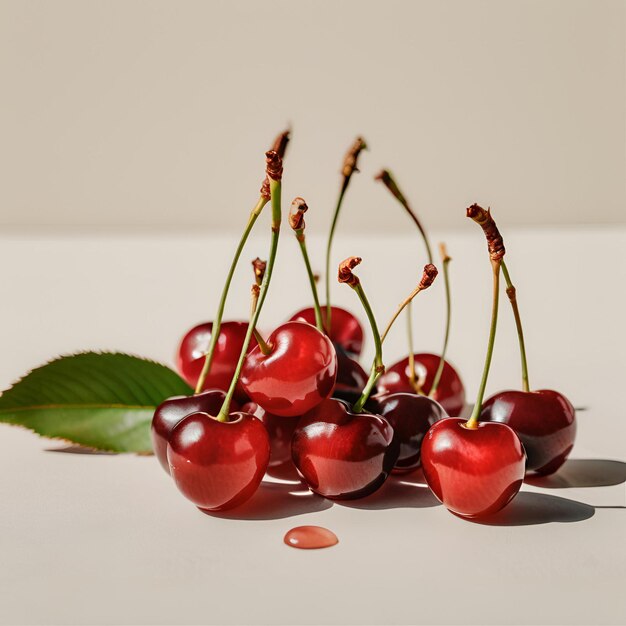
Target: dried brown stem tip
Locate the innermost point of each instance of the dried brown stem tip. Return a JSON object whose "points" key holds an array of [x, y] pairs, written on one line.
{"points": [[352, 156], [385, 177], [428, 277], [296, 213], [280, 143], [345, 274], [483, 218], [273, 165], [259, 270]]}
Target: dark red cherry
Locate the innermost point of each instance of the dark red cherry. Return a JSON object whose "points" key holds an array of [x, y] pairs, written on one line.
{"points": [[351, 377], [172, 410], [218, 465], [411, 416], [296, 376], [473, 471], [343, 455], [346, 330], [193, 347], [450, 392], [279, 429], [544, 420]]}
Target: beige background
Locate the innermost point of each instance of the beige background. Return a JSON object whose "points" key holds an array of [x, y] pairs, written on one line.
{"points": [[154, 115]]}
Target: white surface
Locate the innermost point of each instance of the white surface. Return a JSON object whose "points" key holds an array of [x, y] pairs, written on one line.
{"points": [[156, 114], [91, 539]]}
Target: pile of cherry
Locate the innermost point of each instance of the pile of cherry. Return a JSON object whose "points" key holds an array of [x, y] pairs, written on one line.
{"points": [[300, 395]]}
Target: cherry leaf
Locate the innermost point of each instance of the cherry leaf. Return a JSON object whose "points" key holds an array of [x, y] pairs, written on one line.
{"points": [[100, 400]]}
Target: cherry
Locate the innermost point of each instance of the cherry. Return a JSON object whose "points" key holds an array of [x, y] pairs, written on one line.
{"points": [[173, 410], [476, 468], [296, 374], [341, 454], [218, 462], [193, 348], [450, 392], [218, 465], [346, 332], [345, 329], [279, 429], [351, 377], [473, 471], [411, 416], [545, 420]]}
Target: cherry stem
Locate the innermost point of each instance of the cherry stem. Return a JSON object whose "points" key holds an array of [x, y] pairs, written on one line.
{"points": [[405, 303], [349, 167], [296, 219], [377, 367], [275, 189], [217, 322], [388, 180], [316, 300], [265, 347], [473, 420], [445, 260], [512, 294]]}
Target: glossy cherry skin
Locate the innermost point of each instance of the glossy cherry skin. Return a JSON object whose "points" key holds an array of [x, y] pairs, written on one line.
{"points": [[190, 356], [473, 472], [411, 416], [343, 455], [345, 329], [279, 429], [174, 409], [544, 420], [450, 392], [218, 465], [351, 377], [296, 376]]}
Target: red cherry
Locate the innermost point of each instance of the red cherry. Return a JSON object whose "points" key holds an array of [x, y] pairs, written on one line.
{"points": [[172, 410], [346, 330], [544, 420], [473, 471], [296, 376], [279, 429], [450, 393], [193, 347], [218, 465], [411, 416], [351, 378], [343, 455]]}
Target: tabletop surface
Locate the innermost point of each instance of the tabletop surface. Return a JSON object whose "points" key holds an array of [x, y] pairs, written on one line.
{"points": [[105, 539]]}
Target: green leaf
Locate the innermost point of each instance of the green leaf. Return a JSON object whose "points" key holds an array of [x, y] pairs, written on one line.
{"points": [[101, 400]]}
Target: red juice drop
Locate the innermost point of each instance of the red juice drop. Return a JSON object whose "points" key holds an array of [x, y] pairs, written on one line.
{"points": [[310, 537]]}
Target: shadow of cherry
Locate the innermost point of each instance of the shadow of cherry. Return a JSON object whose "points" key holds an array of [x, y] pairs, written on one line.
{"points": [[275, 501], [398, 492], [528, 509], [286, 471], [582, 473]]}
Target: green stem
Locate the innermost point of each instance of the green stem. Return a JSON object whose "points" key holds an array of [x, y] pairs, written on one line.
{"points": [[377, 367], [217, 322], [442, 361], [275, 189], [409, 336], [331, 236], [316, 301], [473, 420], [264, 347], [511, 293]]}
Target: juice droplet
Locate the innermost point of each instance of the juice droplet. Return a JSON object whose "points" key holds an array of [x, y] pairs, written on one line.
{"points": [[310, 537]]}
